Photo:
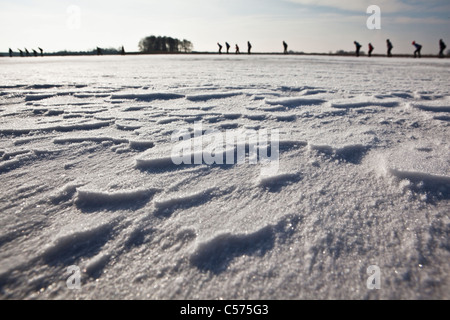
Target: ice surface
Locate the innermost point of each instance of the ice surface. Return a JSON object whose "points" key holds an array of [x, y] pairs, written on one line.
{"points": [[216, 254], [88, 178], [364, 104], [212, 96], [165, 207], [275, 182], [94, 198], [295, 102], [147, 96]]}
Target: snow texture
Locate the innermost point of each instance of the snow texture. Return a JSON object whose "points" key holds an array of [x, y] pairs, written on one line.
{"points": [[88, 179]]}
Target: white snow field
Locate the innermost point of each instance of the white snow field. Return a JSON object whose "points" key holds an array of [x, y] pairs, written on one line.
{"points": [[87, 178]]}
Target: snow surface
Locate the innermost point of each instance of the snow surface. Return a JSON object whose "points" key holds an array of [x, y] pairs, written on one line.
{"points": [[88, 180]]}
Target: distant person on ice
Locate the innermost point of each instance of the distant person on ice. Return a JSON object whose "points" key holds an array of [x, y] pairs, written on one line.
{"points": [[442, 47], [285, 45], [42, 51], [418, 49], [389, 47], [249, 45], [10, 52], [237, 49], [370, 49], [21, 52], [358, 48], [220, 48], [228, 47]]}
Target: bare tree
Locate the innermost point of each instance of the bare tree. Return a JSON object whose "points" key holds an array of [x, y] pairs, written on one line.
{"points": [[187, 45]]}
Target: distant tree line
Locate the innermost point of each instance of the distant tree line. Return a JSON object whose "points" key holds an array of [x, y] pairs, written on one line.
{"points": [[103, 51], [154, 44], [348, 53]]}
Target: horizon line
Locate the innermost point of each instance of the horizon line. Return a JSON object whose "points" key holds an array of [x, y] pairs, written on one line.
{"points": [[292, 53]]}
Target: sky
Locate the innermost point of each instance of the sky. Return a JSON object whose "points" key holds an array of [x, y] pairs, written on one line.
{"points": [[320, 26]]}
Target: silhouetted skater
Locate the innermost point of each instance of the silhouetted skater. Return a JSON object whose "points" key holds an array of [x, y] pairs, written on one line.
{"points": [[21, 52], [10, 52], [249, 45], [35, 53], [442, 47], [27, 52], [418, 49], [285, 46], [228, 47], [358, 48], [99, 51], [370, 49], [237, 49], [122, 51], [389, 47], [220, 48], [42, 51]]}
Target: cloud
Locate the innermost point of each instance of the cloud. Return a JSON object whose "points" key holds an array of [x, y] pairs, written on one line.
{"points": [[389, 6], [417, 21]]}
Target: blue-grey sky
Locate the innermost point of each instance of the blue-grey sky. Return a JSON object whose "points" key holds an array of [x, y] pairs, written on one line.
{"points": [[306, 25]]}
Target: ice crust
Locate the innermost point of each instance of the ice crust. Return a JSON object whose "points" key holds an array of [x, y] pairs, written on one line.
{"points": [[88, 178]]}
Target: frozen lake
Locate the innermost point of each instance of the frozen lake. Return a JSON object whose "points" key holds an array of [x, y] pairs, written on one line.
{"points": [[88, 180]]}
